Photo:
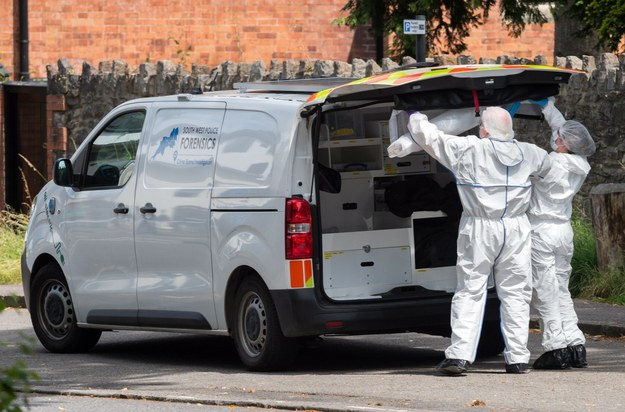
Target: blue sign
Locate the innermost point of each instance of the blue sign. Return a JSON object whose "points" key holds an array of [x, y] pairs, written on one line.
{"points": [[414, 26]]}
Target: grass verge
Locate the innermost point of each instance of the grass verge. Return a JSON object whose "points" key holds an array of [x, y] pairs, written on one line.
{"points": [[12, 227], [586, 279]]}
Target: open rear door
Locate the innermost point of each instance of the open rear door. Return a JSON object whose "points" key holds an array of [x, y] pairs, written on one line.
{"points": [[449, 87]]}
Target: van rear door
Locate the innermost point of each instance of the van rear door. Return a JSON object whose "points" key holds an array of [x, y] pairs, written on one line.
{"points": [[172, 234]]}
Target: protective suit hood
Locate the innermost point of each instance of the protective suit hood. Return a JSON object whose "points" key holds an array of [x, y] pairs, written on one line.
{"points": [[507, 152]]}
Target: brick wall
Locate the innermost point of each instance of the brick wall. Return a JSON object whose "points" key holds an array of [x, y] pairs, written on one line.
{"points": [[492, 40], [216, 31], [203, 31], [7, 39]]}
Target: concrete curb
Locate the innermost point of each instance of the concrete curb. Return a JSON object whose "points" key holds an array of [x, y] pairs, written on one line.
{"points": [[230, 403], [13, 301], [592, 329]]}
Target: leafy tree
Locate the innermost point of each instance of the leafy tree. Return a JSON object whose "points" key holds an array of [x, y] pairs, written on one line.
{"points": [[448, 21], [605, 17]]}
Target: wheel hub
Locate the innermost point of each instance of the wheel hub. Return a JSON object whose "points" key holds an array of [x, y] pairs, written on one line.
{"points": [[54, 309], [254, 325], [58, 312]]}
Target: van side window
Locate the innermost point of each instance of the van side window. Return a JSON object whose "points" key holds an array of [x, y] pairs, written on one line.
{"points": [[112, 154]]}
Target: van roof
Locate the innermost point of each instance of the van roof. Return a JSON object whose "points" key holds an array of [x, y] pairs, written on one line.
{"points": [[258, 94], [304, 86]]}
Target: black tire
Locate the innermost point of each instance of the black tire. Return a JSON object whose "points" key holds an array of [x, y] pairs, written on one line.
{"points": [[52, 314], [256, 331], [491, 341]]}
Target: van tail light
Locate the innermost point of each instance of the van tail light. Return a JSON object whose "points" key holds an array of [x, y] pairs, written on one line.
{"points": [[298, 227]]}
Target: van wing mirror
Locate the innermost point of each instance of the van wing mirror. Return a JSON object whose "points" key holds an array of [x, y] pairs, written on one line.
{"points": [[63, 172]]}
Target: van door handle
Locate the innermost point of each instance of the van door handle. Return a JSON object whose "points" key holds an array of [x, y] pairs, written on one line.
{"points": [[148, 208], [121, 208]]}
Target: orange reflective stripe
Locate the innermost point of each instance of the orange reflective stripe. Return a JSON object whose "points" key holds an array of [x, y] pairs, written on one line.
{"points": [[301, 273], [297, 273]]}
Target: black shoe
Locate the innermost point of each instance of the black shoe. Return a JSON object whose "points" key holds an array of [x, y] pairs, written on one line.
{"points": [[554, 359], [453, 366], [578, 356], [517, 368]]}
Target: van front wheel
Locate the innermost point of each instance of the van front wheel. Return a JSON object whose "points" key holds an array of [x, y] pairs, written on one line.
{"points": [[53, 317], [257, 335]]}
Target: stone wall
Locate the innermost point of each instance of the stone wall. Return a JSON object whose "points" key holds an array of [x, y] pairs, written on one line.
{"points": [[593, 97]]}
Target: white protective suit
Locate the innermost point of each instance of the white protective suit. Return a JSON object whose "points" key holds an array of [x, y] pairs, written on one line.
{"points": [[493, 179], [552, 243]]}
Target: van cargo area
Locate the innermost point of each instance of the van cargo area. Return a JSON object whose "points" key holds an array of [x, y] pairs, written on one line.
{"points": [[389, 225]]}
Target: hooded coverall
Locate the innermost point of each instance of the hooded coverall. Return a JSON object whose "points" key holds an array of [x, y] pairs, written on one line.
{"points": [[493, 180], [552, 244]]}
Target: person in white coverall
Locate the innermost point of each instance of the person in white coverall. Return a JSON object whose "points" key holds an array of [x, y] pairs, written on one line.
{"points": [[493, 179], [552, 242]]}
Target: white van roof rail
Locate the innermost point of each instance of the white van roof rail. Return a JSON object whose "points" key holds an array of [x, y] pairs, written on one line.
{"points": [[312, 85]]}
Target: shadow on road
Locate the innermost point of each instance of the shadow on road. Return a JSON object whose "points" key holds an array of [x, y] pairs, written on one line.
{"points": [[324, 355]]}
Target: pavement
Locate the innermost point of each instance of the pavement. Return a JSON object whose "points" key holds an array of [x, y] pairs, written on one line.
{"points": [[595, 318]]}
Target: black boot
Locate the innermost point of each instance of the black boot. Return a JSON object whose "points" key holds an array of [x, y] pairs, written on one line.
{"points": [[453, 366], [578, 356], [517, 368], [554, 359]]}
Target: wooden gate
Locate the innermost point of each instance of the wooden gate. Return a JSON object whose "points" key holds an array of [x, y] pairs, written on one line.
{"points": [[25, 156]]}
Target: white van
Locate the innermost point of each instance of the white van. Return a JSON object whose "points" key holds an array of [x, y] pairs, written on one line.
{"points": [[271, 213]]}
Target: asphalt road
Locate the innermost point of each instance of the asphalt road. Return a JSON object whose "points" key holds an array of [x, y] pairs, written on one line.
{"points": [[140, 371]]}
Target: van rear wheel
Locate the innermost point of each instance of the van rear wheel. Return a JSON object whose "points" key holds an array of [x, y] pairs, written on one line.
{"points": [[257, 335], [53, 317]]}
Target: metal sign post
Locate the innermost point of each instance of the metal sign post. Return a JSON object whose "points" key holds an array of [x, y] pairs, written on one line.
{"points": [[417, 27]]}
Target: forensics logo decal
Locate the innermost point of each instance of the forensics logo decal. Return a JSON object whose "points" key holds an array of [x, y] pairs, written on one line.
{"points": [[194, 146], [49, 205], [166, 142]]}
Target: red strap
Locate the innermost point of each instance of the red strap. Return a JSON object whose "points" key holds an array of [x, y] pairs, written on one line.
{"points": [[476, 103]]}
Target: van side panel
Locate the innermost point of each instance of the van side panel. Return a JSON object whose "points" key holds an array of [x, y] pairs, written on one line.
{"points": [[172, 234], [247, 233]]}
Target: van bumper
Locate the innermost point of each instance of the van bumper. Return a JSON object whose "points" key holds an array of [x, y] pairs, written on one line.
{"points": [[303, 313]]}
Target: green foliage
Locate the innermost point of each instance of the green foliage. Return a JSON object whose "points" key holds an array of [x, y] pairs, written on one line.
{"points": [[15, 382], [448, 21], [584, 260], [605, 17], [182, 52], [586, 279], [4, 73], [608, 287], [12, 227]]}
